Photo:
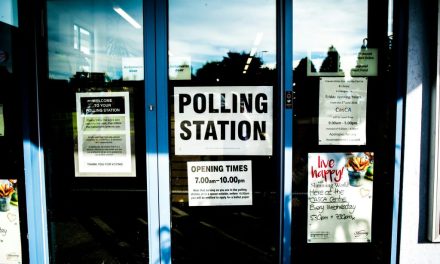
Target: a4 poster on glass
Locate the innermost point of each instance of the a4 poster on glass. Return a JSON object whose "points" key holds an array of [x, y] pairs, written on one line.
{"points": [[340, 193]]}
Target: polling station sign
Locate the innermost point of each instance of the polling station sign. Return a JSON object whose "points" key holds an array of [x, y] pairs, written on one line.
{"points": [[223, 120]]}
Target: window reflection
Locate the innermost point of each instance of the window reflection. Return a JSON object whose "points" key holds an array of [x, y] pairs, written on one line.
{"points": [[330, 34], [340, 42], [95, 50], [215, 46], [210, 31], [95, 44]]}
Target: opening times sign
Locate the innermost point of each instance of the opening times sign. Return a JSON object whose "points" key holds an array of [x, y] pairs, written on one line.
{"points": [[103, 131], [227, 120], [212, 183], [342, 111], [340, 191]]}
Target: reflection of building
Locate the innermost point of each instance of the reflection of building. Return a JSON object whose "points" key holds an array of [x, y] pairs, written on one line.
{"points": [[331, 62], [83, 81]]}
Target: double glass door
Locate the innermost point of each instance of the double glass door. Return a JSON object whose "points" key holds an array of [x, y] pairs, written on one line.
{"points": [[167, 131]]}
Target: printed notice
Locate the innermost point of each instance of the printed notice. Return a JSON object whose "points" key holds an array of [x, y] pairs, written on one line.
{"points": [[103, 131], [10, 241], [228, 120], [366, 64], [340, 191], [2, 122], [212, 183], [342, 111]]}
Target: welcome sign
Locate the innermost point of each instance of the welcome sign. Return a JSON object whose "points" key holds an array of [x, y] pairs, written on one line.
{"points": [[223, 120]]}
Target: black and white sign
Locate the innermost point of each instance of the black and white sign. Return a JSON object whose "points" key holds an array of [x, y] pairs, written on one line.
{"points": [[212, 183], [366, 64], [103, 131], [227, 120], [342, 111]]}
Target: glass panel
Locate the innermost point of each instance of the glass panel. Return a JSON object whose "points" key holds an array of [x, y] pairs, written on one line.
{"points": [[222, 86], [93, 109], [343, 132], [13, 241]]}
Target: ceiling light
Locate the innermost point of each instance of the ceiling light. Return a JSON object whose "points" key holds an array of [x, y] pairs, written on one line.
{"points": [[127, 17]]}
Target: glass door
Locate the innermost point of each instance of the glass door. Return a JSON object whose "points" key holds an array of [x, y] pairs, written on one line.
{"points": [[223, 113], [93, 117], [13, 217], [344, 131]]}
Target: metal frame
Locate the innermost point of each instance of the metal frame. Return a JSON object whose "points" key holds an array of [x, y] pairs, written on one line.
{"points": [[151, 136], [285, 75], [33, 151], [434, 184]]}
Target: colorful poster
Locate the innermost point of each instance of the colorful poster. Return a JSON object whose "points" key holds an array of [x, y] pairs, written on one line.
{"points": [[10, 241], [213, 183], [2, 122], [104, 146], [342, 111], [340, 193], [226, 120]]}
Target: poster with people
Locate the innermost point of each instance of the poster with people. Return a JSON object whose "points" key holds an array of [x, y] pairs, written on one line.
{"points": [[340, 195]]}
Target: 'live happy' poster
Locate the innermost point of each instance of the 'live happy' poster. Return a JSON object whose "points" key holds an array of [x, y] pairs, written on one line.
{"points": [[340, 193]]}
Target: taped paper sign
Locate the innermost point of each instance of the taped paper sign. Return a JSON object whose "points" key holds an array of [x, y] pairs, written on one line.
{"points": [[340, 191], [227, 120], [103, 131]]}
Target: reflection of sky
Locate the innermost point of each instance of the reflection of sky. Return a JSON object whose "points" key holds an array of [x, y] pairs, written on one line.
{"points": [[203, 30], [318, 24], [113, 38], [207, 30]]}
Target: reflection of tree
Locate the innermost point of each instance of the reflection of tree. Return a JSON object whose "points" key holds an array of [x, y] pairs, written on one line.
{"points": [[331, 62], [230, 71]]}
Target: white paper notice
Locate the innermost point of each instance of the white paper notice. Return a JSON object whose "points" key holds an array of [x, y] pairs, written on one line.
{"points": [[103, 128], [366, 64], [340, 191], [2, 122], [228, 120], [342, 111], [212, 183], [10, 241]]}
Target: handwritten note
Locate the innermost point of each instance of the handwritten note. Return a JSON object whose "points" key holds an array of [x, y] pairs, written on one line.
{"points": [[339, 198]]}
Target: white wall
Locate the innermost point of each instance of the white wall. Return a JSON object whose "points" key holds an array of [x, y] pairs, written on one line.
{"points": [[414, 246]]}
